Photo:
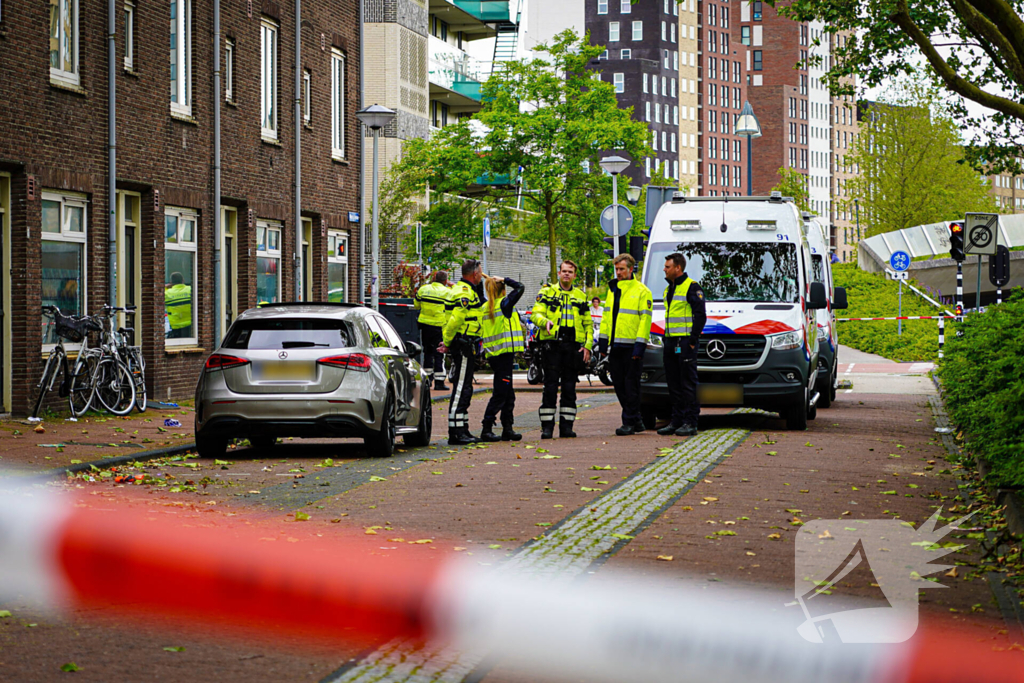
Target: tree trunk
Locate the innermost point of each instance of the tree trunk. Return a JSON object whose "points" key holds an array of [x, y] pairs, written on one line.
{"points": [[552, 255]]}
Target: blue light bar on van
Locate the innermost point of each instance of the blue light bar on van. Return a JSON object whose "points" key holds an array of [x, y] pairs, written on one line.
{"points": [[762, 225], [685, 225]]}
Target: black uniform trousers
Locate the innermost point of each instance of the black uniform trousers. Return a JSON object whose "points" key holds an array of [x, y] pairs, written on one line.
{"points": [[626, 380], [503, 399], [560, 372], [433, 361], [464, 359], [681, 376]]}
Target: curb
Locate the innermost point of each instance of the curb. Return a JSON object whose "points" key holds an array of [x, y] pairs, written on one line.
{"points": [[62, 472]]}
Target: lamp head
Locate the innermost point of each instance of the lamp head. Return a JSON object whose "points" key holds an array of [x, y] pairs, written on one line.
{"points": [[614, 164], [747, 123], [376, 116]]}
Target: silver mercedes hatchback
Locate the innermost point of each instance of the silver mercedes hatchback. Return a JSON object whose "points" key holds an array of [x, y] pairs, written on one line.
{"points": [[312, 370]]}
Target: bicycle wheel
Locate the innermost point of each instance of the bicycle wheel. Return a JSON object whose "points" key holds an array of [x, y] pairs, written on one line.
{"points": [[137, 366], [81, 389], [50, 371], [114, 386]]}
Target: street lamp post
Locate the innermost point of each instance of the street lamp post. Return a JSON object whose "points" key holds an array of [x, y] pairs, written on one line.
{"points": [[615, 165], [375, 117], [748, 125], [856, 208]]}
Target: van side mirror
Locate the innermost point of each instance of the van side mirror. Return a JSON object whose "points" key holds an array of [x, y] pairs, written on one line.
{"points": [[818, 298], [839, 299]]}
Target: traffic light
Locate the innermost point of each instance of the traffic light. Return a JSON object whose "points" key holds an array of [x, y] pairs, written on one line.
{"points": [[610, 253], [618, 246], [636, 247], [956, 240]]}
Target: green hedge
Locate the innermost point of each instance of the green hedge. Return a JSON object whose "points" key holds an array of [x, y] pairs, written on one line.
{"points": [[983, 384], [870, 295]]}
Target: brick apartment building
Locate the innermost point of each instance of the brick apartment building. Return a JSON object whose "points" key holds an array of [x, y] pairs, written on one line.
{"points": [[724, 88], [642, 61], [55, 211]]}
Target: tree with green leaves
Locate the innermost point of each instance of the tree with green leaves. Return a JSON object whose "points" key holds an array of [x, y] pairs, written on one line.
{"points": [[911, 164], [974, 48], [536, 145], [793, 183]]}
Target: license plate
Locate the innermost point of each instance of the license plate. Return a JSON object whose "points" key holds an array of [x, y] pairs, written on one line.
{"points": [[720, 394], [285, 371]]}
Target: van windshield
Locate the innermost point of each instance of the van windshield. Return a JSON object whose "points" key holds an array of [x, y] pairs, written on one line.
{"points": [[732, 271]]}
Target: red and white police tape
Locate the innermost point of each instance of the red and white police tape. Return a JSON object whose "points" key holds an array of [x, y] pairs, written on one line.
{"points": [[902, 317], [68, 555]]}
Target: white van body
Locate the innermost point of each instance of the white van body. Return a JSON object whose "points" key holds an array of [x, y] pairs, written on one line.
{"points": [[759, 347], [828, 340]]}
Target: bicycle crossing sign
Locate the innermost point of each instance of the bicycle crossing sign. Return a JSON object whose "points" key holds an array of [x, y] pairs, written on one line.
{"points": [[981, 233]]}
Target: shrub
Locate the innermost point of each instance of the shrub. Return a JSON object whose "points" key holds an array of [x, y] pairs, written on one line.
{"points": [[870, 295], [983, 385]]}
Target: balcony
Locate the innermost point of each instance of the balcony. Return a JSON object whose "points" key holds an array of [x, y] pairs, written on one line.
{"points": [[477, 19], [489, 11], [455, 77]]}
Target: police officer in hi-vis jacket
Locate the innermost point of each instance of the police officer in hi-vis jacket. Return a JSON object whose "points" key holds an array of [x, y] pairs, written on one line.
{"points": [[625, 330], [432, 301], [461, 336], [685, 315], [565, 329]]}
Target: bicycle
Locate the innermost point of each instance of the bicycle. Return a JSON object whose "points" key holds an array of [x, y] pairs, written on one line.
{"points": [[116, 386], [133, 359], [76, 330]]}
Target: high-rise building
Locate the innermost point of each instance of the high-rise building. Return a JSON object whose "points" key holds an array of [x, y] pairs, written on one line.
{"points": [[689, 96], [642, 61], [845, 129], [819, 127]]}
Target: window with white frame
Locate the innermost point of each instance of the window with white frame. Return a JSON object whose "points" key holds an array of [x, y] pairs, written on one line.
{"points": [[673, 148], [64, 41], [337, 104], [647, 166], [620, 82], [307, 90], [128, 31], [638, 30], [229, 70], [654, 85], [613, 31], [672, 33], [675, 169], [180, 239], [625, 6], [337, 266], [646, 79], [647, 111], [268, 79], [657, 114], [664, 31], [602, 6], [268, 262], [626, 54], [654, 140], [664, 140], [62, 263], [181, 56]]}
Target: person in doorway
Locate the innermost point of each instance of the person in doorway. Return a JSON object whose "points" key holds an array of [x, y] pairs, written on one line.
{"points": [[685, 316], [503, 338], [432, 302], [565, 329], [625, 331], [178, 306], [461, 336]]}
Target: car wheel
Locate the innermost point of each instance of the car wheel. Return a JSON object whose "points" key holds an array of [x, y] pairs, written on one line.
{"points": [[209, 447], [382, 444], [824, 394], [262, 443], [796, 416], [425, 428]]}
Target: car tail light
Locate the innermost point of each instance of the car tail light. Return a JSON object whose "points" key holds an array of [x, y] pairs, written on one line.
{"points": [[353, 361], [220, 361]]}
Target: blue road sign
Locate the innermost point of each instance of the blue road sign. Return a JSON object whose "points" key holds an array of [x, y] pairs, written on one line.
{"points": [[900, 261], [487, 231]]}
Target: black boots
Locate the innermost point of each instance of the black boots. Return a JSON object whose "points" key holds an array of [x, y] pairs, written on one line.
{"points": [[461, 437], [670, 428], [547, 430], [487, 433], [565, 430], [625, 430], [439, 385], [509, 434], [686, 429]]}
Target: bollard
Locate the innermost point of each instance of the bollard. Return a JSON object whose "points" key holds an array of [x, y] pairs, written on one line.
{"points": [[942, 334]]}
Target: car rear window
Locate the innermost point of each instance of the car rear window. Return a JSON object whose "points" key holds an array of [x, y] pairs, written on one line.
{"points": [[289, 333]]}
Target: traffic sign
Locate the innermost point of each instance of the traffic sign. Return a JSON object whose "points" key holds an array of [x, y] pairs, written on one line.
{"points": [[487, 232], [999, 267], [897, 275], [981, 234], [608, 220], [900, 261]]}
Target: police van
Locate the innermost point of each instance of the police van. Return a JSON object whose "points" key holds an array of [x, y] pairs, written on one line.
{"points": [[828, 340], [760, 345]]}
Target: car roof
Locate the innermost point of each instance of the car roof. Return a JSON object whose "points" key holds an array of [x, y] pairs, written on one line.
{"points": [[313, 309]]}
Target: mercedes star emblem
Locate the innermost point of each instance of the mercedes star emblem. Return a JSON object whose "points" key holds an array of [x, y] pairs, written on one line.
{"points": [[284, 354], [716, 349]]}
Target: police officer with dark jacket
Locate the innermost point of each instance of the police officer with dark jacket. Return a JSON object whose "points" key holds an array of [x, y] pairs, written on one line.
{"points": [[685, 316], [461, 337]]}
